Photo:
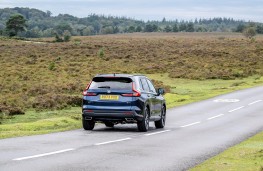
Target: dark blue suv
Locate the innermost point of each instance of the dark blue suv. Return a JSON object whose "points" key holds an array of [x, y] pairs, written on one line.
{"points": [[123, 98]]}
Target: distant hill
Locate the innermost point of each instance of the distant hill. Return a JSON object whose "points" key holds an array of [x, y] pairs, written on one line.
{"points": [[43, 24]]}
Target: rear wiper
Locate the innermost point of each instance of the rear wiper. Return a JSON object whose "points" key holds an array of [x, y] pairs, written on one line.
{"points": [[104, 87]]}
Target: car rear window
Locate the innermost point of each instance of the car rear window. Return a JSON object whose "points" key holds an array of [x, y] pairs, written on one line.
{"points": [[113, 83]]}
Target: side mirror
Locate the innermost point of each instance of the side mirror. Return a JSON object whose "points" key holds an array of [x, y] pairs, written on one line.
{"points": [[160, 91]]}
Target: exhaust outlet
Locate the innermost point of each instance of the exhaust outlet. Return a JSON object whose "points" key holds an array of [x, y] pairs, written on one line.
{"points": [[88, 118], [129, 119]]}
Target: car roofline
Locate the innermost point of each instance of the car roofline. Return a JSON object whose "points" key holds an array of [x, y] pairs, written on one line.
{"points": [[119, 74]]}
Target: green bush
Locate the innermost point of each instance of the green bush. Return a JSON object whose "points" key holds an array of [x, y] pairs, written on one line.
{"points": [[77, 41], [58, 38], [67, 36], [250, 32], [10, 111], [52, 66], [53, 101], [101, 53]]}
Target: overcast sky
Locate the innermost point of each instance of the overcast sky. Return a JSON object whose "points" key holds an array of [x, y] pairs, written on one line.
{"points": [[149, 9]]}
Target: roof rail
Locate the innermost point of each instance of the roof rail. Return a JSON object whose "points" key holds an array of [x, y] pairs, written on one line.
{"points": [[115, 74]]}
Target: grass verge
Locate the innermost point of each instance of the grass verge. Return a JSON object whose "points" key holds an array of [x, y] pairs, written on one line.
{"points": [[247, 156], [34, 123], [185, 91]]}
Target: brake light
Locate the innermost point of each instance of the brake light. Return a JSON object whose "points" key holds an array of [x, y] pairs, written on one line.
{"points": [[89, 111], [128, 95], [85, 93], [135, 93]]}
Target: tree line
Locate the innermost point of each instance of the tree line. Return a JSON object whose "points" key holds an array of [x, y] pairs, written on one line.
{"points": [[38, 23]]}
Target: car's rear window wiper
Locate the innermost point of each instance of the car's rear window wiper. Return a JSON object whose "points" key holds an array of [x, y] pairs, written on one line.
{"points": [[104, 87]]}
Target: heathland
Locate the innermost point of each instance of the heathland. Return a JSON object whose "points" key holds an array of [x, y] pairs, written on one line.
{"points": [[40, 76], [41, 81], [43, 75]]}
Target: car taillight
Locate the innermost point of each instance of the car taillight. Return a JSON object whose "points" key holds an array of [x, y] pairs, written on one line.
{"points": [[135, 93], [85, 93], [89, 111], [128, 95]]}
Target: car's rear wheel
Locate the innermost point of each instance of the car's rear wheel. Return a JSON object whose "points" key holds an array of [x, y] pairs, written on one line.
{"points": [[161, 122], [143, 125], [88, 125], [109, 124]]}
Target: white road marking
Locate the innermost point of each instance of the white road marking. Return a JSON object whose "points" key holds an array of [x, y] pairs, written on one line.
{"points": [[190, 124], [254, 102], [226, 100], [44, 154], [215, 116], [236, 109], [154, 133], [108, 142]]}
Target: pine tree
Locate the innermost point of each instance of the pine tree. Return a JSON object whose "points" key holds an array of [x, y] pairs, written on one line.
{"points": [[15, 24]]}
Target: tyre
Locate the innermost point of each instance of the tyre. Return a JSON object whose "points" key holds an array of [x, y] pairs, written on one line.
{"points": [[88, 125], [143, 125], [109, 124], [161, 122]]}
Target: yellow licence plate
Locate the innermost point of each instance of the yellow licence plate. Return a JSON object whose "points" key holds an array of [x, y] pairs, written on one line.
{"points": [[109, 97]]}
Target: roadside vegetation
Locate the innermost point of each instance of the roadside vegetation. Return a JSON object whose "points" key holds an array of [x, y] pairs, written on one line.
{"points": [[34, 123], [245, 156], [184, 91], [41, 81], [41, 76]]}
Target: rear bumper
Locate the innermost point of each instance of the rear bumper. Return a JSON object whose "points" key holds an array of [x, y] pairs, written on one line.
{"points": [[112, 115]]}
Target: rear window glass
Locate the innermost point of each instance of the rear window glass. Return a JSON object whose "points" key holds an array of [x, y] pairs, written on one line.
{"points": [[113, 83]]}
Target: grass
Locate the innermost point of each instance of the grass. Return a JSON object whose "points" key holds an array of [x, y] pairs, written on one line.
{"points": [[53, 75], [246, 156], [184, 91], [39, 127], [38, 79], [34, 123], [33, 116]]}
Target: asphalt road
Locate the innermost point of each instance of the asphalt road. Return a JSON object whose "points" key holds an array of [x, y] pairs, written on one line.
{"points": [[193, 133]]}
